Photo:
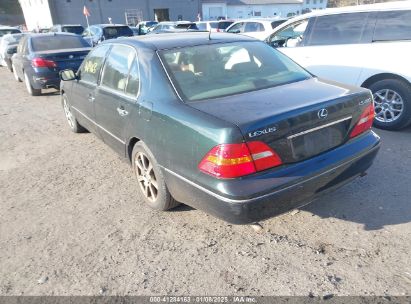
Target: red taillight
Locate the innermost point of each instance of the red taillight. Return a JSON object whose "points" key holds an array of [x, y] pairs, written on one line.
{"points": [[235, 160], [365, 121], [43, 63]]}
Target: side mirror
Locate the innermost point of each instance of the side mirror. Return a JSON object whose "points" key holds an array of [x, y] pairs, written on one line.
{"points": [[12, 50], [67, 75]]}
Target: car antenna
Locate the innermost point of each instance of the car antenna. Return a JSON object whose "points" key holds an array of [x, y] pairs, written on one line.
{"points": [[209, 34]]}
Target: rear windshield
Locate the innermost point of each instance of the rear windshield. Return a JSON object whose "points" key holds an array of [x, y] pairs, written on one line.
{"points": [[8, 31], [46, 43], [73, 29], [117, 31], [216, 70], [222, 25]]}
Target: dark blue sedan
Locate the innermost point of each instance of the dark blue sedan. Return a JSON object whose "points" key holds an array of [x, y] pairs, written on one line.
{"points": [[40, 58]]}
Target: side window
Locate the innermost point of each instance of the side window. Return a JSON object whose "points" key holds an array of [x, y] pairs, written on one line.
{"points": [[116, 68], [90, 69], [133, 83], [338, 29], [253, 27], [236, 28], [290, 36], [395, 25]]}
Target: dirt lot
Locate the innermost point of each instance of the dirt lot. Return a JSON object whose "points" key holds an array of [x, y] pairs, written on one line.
{"points": [[72, 223]]}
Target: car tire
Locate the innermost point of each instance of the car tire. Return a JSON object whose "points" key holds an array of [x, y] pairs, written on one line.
{"points": [[392, 96], [150, 179], [32, 91], [71, 119], [16, 76]]}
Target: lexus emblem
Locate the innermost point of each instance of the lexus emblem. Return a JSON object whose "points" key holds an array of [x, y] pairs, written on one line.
{"points": [[322, 114]]}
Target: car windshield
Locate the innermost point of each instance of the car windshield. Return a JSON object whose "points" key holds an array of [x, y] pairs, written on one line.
{"points": [[117, 31], [51, 42], [217, 70], [78, 29], [8, 31]]}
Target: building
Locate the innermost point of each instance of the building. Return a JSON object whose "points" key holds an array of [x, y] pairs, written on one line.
{"points": [[312, 5], [45, 13], [242, 9]]}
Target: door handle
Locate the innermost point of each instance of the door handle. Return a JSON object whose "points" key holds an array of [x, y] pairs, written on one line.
{"points": [[91, 98], [122, 112]]}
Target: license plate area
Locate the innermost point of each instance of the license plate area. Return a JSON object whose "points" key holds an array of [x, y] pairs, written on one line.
{"points": [[318, 140]]}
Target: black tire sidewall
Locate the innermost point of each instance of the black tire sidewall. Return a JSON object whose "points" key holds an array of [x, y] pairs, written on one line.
{"points": [[404, 90], [163, 197]]}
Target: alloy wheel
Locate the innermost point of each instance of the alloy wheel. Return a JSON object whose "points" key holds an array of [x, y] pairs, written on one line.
{"points": [[146, 177], [388, 105], [67, 112]]}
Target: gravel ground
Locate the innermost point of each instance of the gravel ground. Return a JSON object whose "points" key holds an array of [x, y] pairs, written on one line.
{"points": [[72, 223]]}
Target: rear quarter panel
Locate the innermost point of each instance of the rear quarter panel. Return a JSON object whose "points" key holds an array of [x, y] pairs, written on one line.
{"points": [[179, 136]]}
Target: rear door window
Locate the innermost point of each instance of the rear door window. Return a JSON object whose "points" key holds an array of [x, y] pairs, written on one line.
{"points": [[395, 25], [339, 29], [117, 67], [90, 68]]}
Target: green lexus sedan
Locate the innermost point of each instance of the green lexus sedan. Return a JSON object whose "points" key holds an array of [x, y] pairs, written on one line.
{"points": [[221, 122]]}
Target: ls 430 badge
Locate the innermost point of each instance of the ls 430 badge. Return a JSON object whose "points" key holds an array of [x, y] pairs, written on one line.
{"points": [[262, 132]]}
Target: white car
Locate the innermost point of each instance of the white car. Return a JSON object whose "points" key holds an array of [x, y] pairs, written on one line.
{"points": [[257, 28], [214, 26], [4, 30], [367, 45]]}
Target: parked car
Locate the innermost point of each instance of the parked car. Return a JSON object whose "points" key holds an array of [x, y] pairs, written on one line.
{"points": [[228, 125], [40, 58], [168, 26], [4, 30], [257, 28], [67, 28], [213, 26], [144, 26], [100, 32], [8, 46], [367, 45]]}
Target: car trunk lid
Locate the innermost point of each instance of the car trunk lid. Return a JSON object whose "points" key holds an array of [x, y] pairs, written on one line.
{"points": [[297, 120], [65, 59]]}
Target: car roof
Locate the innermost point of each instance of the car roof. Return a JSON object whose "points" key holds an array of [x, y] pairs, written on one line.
{"points": [[183, 39]]}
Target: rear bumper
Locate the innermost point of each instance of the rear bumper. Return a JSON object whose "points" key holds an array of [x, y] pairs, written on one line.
{"points": [[273, 192], [46, 80]]}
